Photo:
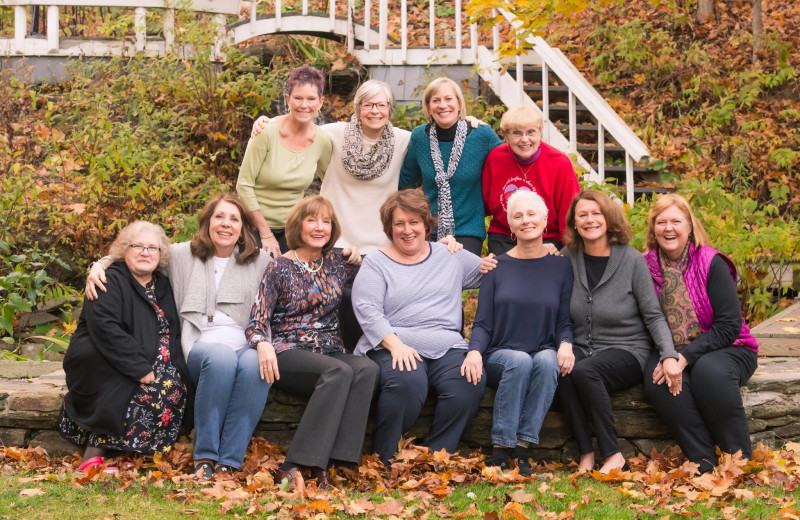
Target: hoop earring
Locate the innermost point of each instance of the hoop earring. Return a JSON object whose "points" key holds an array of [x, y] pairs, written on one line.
{"points": [[513, 237], [241, 240]]}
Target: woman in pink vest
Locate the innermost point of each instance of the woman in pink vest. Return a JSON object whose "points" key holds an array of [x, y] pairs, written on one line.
{"points": [[696, 285]]}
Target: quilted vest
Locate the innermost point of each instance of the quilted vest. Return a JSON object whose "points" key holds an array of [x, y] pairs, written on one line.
{"points": [[696, 278]]}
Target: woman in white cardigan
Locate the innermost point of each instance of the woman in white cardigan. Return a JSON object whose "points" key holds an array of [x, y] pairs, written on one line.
{"points": [[215, 278]]}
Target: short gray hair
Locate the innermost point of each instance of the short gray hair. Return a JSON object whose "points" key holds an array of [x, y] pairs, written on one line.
{"points": [[533, 197], [368, 90], [128, 235]]}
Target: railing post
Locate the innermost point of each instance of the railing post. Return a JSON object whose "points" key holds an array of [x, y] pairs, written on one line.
{"points": [[168, 23], [601, 151], [629, 178], [332, 19], [546, 99], [140, 27], [52, 29], [20, 28], [520, 76], [473, 41], [404, 30], [573, 123], [383, 17], [253, 15], [351, 37], [458, 30], [305, 7], [278, 9], [367, 23], [218, 21], [432, 24]]}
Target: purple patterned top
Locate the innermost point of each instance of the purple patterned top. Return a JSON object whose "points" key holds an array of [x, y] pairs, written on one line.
{"points": [[300, 308]]}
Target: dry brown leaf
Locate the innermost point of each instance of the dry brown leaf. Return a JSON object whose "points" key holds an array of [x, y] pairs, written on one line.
{"points": [[31, 492]]}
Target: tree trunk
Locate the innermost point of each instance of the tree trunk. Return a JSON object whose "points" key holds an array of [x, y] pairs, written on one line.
{"points": [[758, 28], [705, 9]]}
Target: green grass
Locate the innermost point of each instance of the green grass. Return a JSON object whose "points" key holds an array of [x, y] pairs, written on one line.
{"points": [[548, 495]]}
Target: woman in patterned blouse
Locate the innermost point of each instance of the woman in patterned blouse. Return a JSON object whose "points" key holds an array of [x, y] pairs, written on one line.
{"points": [[294, 327]]}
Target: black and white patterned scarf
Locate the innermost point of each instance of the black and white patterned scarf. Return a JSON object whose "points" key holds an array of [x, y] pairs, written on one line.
{"points": [[366, 166], [447, 224]]}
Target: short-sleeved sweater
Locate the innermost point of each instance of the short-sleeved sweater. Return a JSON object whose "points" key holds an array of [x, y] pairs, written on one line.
{"points": [[273, 178], [357, 202], [524, 305], [421, 302], [465, 184]]}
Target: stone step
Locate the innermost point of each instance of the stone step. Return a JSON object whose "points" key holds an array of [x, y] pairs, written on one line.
{"points": [[31, 395]]}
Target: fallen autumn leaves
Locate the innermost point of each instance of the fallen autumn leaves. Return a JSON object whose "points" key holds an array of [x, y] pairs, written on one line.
{"points": [[661, 484]]}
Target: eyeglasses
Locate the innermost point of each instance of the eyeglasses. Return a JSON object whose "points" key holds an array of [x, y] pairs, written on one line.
{"points": [[145, 249], [380, 105], [530, 133]]}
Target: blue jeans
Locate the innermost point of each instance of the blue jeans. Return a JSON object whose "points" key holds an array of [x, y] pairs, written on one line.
{"points": [[228, 403], [525, 387]]}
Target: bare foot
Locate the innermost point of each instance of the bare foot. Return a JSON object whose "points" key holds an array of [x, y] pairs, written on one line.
{"points": [[614, 461], [587, 462]]}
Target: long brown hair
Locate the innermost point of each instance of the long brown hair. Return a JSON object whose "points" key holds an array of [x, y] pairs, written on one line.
{"points": [[203, 248], [618, 230]]}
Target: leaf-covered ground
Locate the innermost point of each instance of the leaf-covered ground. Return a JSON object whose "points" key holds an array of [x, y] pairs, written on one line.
{"points": [[419, 485]]}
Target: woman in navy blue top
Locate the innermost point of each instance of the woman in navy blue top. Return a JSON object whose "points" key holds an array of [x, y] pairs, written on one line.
{"points": [[522, 333]]}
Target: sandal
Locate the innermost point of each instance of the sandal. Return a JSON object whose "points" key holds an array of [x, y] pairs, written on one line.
{"points": [[90, 463], [204, 471]]}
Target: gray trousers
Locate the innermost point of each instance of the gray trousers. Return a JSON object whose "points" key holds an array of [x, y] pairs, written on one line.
{"points": [[340, 389]]}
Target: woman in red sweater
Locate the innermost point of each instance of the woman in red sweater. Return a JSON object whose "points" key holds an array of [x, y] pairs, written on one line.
{"points": [[524, 162]]}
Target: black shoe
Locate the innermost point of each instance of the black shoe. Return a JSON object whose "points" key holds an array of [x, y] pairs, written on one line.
{"points": [[225, 470], [520, 457], [499, 458], [204, 471]]}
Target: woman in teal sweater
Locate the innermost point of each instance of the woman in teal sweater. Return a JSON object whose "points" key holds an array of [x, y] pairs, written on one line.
{"points": [[446, 156]]}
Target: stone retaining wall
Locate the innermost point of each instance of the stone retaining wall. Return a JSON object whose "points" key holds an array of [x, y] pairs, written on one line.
{"points": [[31, 394]]}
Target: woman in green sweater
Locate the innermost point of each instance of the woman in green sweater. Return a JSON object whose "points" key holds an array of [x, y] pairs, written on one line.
{"points": [[446, 156], [280, 163]]}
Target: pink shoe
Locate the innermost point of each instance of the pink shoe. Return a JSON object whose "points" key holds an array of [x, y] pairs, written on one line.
{"points": [[90, 463]]}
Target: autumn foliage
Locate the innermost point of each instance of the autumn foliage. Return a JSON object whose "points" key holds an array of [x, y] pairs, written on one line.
{"points": [[420, 484]]}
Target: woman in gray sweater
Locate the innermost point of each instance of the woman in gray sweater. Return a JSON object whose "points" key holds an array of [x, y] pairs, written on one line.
{"points": [[616, 319]]}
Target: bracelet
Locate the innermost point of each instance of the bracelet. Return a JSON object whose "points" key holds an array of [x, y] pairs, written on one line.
{"points": [[98, 262], [267, 237]]}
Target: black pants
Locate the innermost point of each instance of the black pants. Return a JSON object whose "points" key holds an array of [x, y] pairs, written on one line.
{"points": [[500, 244], [340, 388], [402, 395], [709, 409], [585, 396]]}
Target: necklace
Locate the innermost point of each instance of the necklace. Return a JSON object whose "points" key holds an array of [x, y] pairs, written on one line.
{"points": [[524, 172], [307, 265]]}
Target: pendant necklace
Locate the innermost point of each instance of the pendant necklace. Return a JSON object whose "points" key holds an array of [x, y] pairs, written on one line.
{"points": [[307, 266]]}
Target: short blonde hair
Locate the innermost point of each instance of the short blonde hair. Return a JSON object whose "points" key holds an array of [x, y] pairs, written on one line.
{"points": [[313, 205], [128, 235], [370, 89], [435, 85], [521, 117], [698, 235]]}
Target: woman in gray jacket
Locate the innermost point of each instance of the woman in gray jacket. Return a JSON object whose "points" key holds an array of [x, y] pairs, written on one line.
{"points": [[215, 278], [616, 319]]}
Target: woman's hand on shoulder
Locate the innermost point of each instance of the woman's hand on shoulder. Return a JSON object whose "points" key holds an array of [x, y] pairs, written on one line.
{"points": [[96, 280], [352, 255], [474, 122], [453, 245], [552, 249], [267, 362], [472, 367], [566, 358], [258, 126], [489, 262], [149, 378]]}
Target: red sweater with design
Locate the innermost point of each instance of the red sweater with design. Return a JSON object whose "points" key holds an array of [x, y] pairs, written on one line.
{"points": [[551, 176]]}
